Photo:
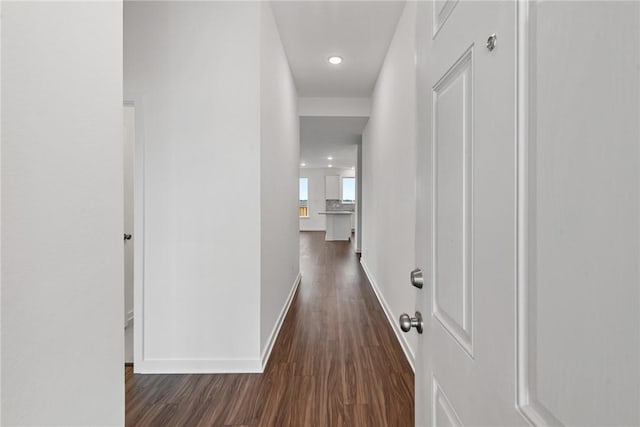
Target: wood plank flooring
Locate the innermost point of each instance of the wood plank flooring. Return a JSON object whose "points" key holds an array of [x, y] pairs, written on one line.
{"points": [[336, 362]]}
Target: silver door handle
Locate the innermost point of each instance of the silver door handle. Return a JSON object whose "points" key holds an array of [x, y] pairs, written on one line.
{"points": [[407, 322], [417, 278], [127, 236]]}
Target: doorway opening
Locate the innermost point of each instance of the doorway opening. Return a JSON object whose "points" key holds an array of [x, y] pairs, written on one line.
{"points": [[129, 116], [330, 148]]}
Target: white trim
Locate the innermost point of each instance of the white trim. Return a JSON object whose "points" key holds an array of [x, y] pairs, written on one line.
{"points": [[387, 311], [440, 16], [129, 320], [137, 101], [197, 366], [522, 380], [451, 413], [463, 333], [266, 352], [534, 412]]}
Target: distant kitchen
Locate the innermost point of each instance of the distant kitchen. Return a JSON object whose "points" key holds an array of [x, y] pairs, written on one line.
{"points": [[328, 201]]}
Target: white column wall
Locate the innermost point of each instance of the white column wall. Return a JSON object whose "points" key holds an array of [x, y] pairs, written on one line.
{"points": [[217, 127], [62, 225], [280, 157], [193, 71]]}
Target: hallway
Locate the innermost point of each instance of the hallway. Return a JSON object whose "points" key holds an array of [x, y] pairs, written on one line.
{"points": [[336, 362]]}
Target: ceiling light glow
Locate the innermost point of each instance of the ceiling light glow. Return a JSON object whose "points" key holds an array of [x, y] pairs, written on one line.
{"points": [[335, 60], [330, 166], [329, 158], [303, 164]]}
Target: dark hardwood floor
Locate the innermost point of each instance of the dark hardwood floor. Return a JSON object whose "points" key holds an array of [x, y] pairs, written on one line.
{"points": [[336, 362]]}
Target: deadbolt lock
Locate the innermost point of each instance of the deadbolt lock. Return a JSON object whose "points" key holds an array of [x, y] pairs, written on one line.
{"points": [[491, 42], [417, 278]]}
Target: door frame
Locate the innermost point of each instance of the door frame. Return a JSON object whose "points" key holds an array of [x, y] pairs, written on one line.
{"points": [[137, 101]]}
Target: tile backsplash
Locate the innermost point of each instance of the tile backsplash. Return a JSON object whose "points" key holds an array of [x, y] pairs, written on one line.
{"points": [[337, 205]]}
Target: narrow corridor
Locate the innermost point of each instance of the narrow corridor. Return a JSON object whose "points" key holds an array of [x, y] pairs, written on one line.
{"points": [[336, 362]]}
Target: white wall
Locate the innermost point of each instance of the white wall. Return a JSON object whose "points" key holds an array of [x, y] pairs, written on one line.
{"points": [[193, 71], [216, 108], [280, 157], [317, 202], [388, 169], [62, 250]]}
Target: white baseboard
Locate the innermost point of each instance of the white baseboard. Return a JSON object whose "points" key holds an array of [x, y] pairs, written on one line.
{"points": [[209, 366], [204, 366], [266, 352], [394, 322]]}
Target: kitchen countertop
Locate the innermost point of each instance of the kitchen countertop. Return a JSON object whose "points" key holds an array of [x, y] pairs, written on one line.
{"points": [[336, 213]]}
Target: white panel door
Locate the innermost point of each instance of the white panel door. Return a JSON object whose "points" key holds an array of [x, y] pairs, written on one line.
{"points": [[579, 216], [466, 372], [528, 216]]}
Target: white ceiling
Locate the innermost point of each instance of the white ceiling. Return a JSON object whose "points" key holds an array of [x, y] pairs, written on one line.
{"points": [[358, 31], [312, 31], [337, 137]]}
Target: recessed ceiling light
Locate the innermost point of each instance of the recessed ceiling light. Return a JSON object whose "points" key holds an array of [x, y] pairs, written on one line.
{"points": [[330, 166], [303, 164], [335, 60], [329, 158]]}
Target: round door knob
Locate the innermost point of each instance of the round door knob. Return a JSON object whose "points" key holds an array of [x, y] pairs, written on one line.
{"points": [[407, 322]]}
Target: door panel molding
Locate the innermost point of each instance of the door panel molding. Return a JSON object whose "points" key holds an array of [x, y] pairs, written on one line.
{"points": [[522, 378], [455, 316], [535, 378], [441, 14], [527, 403], [442, 405]]}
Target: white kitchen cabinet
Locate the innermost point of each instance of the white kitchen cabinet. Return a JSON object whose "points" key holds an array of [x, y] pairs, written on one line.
{"points": [[338, 225], [332, 187]]}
